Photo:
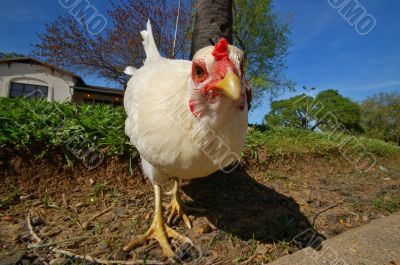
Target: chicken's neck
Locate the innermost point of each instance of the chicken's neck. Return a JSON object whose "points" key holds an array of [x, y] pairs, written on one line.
{"points": [[213, 109]]}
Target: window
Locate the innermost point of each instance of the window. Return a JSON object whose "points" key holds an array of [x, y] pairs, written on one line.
{"points": [[28, 90]]}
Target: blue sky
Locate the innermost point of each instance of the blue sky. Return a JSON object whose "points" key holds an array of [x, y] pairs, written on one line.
{"points": [[327, 52]]}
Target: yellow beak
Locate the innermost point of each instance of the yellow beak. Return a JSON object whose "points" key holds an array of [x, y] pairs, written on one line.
{"points": [[231, 86]]}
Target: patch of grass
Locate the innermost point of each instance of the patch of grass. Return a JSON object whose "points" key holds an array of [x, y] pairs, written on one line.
{"points": [[355, 205], [36, 122], [45, 200], [273, 175], [211, 241], [78, 129], [285, 246], [281, 142], [99, 189], [15, 191], [387, 202], [11, 198]]}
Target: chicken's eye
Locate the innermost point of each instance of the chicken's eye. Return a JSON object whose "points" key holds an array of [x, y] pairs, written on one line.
{"points": [[199, 72]]}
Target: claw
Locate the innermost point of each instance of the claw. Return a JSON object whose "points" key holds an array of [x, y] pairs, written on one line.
{"points": [[177, 208], [158, 231], [177, 211]]}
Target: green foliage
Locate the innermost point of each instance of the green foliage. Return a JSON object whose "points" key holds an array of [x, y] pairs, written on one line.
{"points": [[332, 109], [28, 123], [293, 112], [12, 197], [263, 36], [381, 116], [386, 201], [293, 142], [328, 111], [32, 123], [99, 188]]}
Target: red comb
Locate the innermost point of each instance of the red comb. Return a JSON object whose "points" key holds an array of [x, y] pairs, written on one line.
{"points": [[221, 50]]}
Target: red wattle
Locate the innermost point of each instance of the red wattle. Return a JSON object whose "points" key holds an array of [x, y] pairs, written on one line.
{"points": [[192, 108]]}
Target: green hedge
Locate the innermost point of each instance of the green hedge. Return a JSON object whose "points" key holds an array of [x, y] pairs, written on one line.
{"points": [[292, 141], [28, 123]]}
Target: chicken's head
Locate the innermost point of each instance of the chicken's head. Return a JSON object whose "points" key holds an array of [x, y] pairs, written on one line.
{"points": [[218, 80]]}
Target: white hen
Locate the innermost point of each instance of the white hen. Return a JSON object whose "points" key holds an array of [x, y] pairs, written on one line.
{"points": [[187, 119]]}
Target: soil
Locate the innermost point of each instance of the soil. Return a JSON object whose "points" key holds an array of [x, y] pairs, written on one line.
{"points": [[254, 215]]}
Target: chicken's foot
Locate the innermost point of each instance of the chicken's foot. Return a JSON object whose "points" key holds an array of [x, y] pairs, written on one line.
{"points": [[177, 208], [158, 230]]}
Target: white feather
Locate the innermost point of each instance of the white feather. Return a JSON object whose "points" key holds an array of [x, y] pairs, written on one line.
{"points": [[150, 48], [130, 70]]}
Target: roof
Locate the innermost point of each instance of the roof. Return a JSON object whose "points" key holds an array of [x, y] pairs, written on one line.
{"points": [[80, 84], [36, 61], [99, 89]]}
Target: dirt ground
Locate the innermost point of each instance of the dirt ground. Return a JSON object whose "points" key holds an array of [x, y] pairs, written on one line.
{"points": [[252, 216]]}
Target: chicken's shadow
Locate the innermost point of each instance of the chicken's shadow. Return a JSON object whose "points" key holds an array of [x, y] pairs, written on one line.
{"points": [[237, 204]]}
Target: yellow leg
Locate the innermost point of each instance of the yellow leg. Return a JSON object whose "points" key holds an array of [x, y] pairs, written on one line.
{"points": [[158, 230], [177, 208]]}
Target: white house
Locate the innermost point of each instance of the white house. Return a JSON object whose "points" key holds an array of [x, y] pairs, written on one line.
{"points": [[30, 78]]}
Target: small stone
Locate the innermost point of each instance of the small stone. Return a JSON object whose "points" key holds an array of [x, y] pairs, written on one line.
{"points": [[203, 229], [121, 255], [317, 204], [79, 204], [259, 259], [91, 181], [57, 261], [37, 220], [6, 218], [103, 245], [147, 216], [365, 218], [382, 168], [24, 197], [113, 227]]}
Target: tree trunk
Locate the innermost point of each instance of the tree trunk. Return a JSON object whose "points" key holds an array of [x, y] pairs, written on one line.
{"points": [[214, 20]]}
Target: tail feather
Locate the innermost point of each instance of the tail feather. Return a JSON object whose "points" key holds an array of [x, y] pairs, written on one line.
{"points": [[152, 53], [130, 70]]}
